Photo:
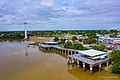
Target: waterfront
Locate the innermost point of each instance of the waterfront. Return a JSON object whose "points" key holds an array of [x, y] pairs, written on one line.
{"points": [[19, 62]]}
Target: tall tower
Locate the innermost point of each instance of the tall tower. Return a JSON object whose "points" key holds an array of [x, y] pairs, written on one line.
{"points": [[25, 28]]}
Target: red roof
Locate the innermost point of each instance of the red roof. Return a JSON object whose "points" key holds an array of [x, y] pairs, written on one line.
{"points": [[117, 42]]}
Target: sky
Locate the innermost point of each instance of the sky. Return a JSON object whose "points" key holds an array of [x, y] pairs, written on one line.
{"points": [[59, 14]]}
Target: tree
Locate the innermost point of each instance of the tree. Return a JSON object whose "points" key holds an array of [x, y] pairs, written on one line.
{"points": [[116, 68], [77, 46], [115, 56], [68, 45], [56, 39], [100, 47], [90, 40], [62, 40], [95, 47], [91, 35], [74, 38]]}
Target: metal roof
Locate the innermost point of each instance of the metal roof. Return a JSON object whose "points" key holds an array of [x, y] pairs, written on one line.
{"points": [[92, 52], [87, 60]]}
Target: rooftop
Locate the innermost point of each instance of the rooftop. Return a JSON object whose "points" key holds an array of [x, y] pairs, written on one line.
{"points": [[86, 60], [92, 52]]}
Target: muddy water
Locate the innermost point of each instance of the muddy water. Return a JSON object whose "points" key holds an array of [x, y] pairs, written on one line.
{"points": [[19, 62]]}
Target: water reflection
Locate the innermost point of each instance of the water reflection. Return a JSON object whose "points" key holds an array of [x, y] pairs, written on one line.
{"points": [[26, 48], [55, 52]]}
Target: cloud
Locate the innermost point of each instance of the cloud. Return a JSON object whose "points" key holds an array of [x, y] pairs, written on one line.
{"points": [[48, 14]]}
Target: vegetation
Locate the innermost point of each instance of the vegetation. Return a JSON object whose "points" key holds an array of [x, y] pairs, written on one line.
{"points": [[90, 41], [62, 40], [68, 45], [100, 47], [91, 34], [11, 35], [115, 56], [56, 39], [74, 38], [77, 46]]}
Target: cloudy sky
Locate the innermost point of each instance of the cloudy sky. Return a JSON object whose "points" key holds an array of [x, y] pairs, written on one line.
{"points": [[59, 14]]}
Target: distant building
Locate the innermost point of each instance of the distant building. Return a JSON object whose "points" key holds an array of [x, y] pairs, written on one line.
{"points": [[108, 40], [117, 42]]}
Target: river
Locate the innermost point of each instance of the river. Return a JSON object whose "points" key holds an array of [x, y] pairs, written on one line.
{"points": [[18, 61]]}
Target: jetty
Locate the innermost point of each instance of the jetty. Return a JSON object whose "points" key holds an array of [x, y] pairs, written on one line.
{"points": [[86, 58]]}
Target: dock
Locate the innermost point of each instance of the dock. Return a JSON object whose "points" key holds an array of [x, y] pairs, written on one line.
{"points": [[86, 58]]}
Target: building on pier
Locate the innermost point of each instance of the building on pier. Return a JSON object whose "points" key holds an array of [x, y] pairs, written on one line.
{"points": [[89, 57]]}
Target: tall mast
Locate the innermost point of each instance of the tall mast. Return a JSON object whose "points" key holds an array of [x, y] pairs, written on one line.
{"points": [[25, 28]]}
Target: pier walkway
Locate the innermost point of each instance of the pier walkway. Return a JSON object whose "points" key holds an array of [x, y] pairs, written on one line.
{"points": [[89, 58]]}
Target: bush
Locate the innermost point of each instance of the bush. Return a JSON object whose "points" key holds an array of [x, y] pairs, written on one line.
{"points": [[56, 39], [115, 56], [116, 68]]}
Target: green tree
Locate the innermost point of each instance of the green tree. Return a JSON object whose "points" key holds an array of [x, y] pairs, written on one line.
{"points": [[116, 68], [68, 45], [62, 40], [90, 40], [91, 35], [100, 47], [74, 38], [77, 46], [95, 47], [56, 39], [115, 56]]}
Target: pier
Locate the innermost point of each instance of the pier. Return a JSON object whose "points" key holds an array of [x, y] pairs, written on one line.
{"points": [[87, 58]]}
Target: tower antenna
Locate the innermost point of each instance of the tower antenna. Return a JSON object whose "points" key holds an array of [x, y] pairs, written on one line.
{"points": [[25, 28]]}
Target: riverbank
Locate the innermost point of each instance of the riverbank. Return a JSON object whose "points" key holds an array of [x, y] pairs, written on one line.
{"points": [[34, 39], [39, 39]]}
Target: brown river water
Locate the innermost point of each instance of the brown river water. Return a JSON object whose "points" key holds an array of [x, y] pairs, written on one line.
{"points": [[19, 62]]}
